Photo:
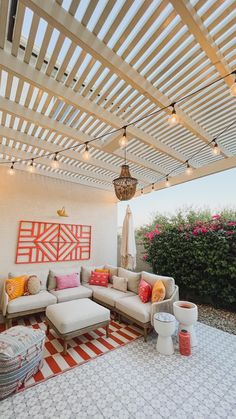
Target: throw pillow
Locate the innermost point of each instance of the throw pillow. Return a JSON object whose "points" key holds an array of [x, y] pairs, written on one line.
{"points": [[32, 285], [119, 283], [67, 281], [144, 291], [15, 287], [98, 278], [52, 283], [158, 291], [86, 272], [102, 271], [133, 279], [113, 270], [168, 282]]}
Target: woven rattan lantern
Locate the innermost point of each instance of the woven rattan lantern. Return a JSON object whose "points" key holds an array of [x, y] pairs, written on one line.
{"points": [[125, 185]]}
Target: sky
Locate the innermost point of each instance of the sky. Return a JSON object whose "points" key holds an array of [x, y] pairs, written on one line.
{"points": [[215, 192]]}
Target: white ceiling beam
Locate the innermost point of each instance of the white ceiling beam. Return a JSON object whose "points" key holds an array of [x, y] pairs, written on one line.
{"points": [[80, 35], [195, 25], [14, 154], [45, 83], [47, 123], [218, 166]]}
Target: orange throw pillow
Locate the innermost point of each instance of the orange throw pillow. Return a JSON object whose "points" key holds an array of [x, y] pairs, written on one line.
{"points": [[102, 271], [15, 287], [158, 291]]}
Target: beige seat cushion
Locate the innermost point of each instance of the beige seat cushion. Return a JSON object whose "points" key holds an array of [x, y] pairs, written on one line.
{"points": [[108, 295], [77, 314], [31, 302], [133, 307], [69, 294], [168, 282], [133, 279]]}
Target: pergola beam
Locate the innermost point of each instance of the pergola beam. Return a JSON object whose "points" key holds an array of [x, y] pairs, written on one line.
{"points": [[218, 166], [57, 17], [195, 25]]}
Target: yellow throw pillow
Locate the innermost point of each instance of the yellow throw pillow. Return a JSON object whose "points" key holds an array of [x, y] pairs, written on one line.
{"points": [[158, 291], [102, 271], [15, 287]]}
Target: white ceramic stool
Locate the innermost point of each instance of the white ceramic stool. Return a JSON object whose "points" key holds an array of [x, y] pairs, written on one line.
{"points": [[187, 314], [164, 324]]}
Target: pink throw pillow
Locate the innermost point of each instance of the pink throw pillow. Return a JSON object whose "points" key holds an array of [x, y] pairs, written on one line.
{"points": [[144, 291], [99, 278], [67, 281]]}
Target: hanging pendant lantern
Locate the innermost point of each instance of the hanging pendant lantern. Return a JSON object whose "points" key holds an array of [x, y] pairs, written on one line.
{"points": [[125, 185]]}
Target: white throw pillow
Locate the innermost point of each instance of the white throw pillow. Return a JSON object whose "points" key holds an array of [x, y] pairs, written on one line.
{"points": [[119, 283]]}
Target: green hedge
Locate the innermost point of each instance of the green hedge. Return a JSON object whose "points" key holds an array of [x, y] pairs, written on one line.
{"points": [[199, 251]]}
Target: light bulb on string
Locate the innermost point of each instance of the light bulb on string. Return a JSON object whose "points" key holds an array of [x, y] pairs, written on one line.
{"points": [[215, 148], [233, 87], [11, 171], [123, 140], [173, 118], [167, 182], [31, 167], [189, 169], [141, 191], [55, 162], [153, 187], [86, 154]]}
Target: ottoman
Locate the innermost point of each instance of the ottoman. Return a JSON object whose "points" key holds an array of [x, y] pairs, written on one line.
{"points": [[21, 353], [74, 318]]}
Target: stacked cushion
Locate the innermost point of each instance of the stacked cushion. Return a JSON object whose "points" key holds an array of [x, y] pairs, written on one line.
{"points": [[99, 278], [133, 279], [21, 353], [168, 282], [120, 284]]}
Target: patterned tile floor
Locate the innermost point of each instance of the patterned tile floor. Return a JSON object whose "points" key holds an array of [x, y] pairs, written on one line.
{"points": [[136, 382]]}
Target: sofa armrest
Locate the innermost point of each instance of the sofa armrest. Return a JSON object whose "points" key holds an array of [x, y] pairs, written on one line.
{"points": [[4, 299], [165, 305]]}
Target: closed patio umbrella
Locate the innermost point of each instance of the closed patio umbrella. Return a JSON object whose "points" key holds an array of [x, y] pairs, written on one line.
{"points": [[128, 246]]}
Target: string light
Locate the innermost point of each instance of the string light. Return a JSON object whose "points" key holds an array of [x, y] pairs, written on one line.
{"points": [[189, 169], [173, 118], [233, 87], [123, 140], [141, 191], [11, 171], [167, 182], [153, 186], [31, 167], [55, 162], [215, 148], [86, 154]]}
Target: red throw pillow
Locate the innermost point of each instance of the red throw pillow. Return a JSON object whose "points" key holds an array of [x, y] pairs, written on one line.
{"points": [[144, 291], [99, 278]]}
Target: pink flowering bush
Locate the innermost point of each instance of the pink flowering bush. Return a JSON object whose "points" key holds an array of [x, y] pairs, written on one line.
{"points": [[199, 250]]}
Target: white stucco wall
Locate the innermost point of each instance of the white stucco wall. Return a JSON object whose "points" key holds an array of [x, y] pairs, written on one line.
{"points": [[26, 196]]}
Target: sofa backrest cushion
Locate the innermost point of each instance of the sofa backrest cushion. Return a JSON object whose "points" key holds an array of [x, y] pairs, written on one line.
{"points": [[86, 272], [167, 281], [133, 279], [52, 283], [113, 271], [41, 274]]}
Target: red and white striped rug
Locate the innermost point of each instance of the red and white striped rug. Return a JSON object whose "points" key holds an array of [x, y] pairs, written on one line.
{"points": [[80, 350]]}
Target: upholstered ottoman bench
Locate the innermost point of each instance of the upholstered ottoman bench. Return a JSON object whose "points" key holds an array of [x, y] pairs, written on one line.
{"points": [[21, 353], [74, 318]]}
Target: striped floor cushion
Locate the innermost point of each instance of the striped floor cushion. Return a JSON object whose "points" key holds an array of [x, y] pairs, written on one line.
{"points": [[21, 353]]}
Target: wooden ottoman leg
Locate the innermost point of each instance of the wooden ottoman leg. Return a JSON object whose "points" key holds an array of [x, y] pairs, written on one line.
{"points": [[107, 330], [64, 347]]}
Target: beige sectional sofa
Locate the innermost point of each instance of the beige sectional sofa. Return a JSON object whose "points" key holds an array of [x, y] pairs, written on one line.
{"points": [[124, 304]]}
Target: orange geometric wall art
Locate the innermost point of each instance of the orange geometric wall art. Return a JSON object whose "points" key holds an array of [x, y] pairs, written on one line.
{"points": [[40, 242]]}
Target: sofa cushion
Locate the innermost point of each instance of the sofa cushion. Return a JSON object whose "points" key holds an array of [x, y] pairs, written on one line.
{"points": [[15, 287], [158, 291], [167, 281], [133, 307], [52, 283], [133, 279], [108, 295], [120, 284], [113, 270], [144, 291], [41, 274], [86, 272], [67, 281], [31, 302], [99, 278], [72, 293]]}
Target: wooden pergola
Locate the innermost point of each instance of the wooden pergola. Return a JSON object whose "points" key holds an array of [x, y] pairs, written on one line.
{"points": [[72, 70]]}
